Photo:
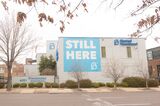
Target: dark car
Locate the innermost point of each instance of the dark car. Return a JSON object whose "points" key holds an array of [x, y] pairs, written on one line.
{"points": [[3, 80]]}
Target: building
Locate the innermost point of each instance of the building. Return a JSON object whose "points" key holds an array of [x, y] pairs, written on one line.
{"points": [[32, 69], [50, 50], [153, 56], [93, 55], [17, 70]]}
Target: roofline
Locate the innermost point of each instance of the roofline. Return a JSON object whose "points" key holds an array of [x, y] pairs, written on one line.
{"points": [[153, 48], [101, 37]]}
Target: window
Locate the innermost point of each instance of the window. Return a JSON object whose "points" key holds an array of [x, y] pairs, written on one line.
{"points": [[103, 50], [149, 55], [1, 70], [129, 52]]}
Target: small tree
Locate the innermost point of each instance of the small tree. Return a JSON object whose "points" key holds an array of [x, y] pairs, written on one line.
{"points": [[115, 71], [142, 70], [77, 74], [47, 66]]}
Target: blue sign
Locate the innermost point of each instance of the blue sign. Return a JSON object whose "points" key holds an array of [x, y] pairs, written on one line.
{"points": [[124, 42], [82, 54]]}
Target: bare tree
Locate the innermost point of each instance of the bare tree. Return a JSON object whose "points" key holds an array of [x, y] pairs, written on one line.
{"points": [[142, 70], [77, 73], [15, 39], [115, 71]]}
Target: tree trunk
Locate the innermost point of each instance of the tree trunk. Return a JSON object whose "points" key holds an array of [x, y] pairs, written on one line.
{"points": [[115, 85], [78, 83], [9, 79], [147, 84]]}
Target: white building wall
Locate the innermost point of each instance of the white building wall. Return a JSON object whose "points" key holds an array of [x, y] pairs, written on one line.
{"points": [[117, 52], [31, 70]]}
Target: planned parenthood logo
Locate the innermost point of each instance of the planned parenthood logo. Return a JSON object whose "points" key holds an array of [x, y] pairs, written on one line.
{"points": [[83, 51]]}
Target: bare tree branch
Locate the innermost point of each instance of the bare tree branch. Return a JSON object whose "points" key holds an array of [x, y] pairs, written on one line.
{"points": [[14, 40], [115, 71], [120, 3], [144, 7]]}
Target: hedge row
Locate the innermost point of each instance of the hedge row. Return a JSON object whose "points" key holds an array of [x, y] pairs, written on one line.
{"points": [[140, 82], [135, 82], [86, 83], [35, 85]]}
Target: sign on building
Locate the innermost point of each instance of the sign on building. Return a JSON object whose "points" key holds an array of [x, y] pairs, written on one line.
{"points": [[83, 53], [33, 79], [124, 42]]}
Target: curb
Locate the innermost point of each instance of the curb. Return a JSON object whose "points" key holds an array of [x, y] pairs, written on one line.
{"points": [[68, 91]]}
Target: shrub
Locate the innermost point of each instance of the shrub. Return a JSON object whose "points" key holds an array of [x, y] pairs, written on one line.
{"points": [[85, 83], [62, 85], [110, 85], [95, 85], [2, 85], [31, 85], [38, 84], [123, 84], [16, 85], [23, 85], [48, 85], [101, 84], [153, 83], [134, 81], [54, 85], [71, 84]]}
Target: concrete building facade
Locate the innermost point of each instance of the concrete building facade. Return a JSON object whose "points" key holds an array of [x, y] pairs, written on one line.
{"points": [[93, 55]]}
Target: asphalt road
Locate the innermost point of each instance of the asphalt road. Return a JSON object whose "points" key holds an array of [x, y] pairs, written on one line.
{"points": [[118, 98]]}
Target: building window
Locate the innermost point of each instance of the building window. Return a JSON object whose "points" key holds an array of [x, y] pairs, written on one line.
{"points": [[1, 70], [149, 55], [129, 52], [103, 49]]}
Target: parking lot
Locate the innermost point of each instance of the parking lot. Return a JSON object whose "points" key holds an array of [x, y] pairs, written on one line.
{"points": [[117, 98]]}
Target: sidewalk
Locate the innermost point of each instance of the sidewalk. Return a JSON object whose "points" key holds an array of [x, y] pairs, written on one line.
{"points": [[65, 90]]}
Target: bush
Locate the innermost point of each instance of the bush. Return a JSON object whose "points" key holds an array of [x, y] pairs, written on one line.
{"points": [[134, 81], [2, 85], [48, 85], [123, 84], [85, 83], [153, 83], [31, 85], [62, 85], [71, 84], [23, 85], [110, 85], [101, 84], [38, 85], [95, 85], [16, 85], [54, 85]]}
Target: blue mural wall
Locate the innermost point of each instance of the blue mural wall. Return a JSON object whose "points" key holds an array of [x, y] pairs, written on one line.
{"points": [[82, 54]]}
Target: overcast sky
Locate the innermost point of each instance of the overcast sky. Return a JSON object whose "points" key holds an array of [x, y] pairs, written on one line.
{"points": [[101, 21]]}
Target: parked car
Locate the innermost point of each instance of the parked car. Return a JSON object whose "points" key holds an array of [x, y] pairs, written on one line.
{"points": [[3, 79]]}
